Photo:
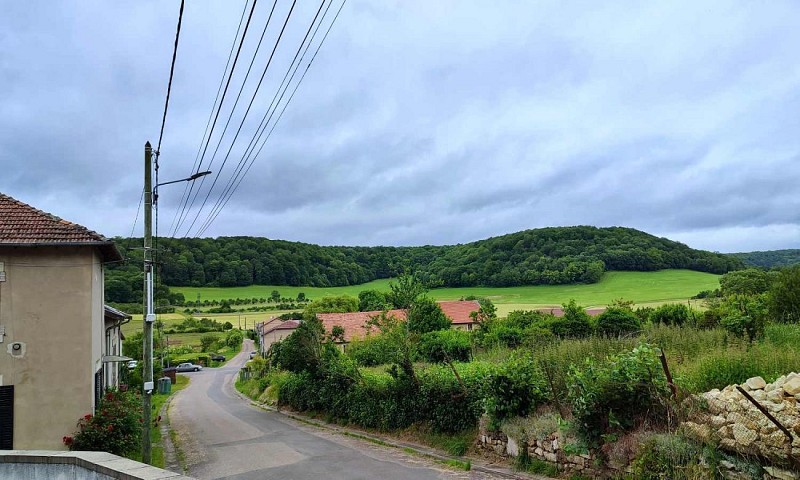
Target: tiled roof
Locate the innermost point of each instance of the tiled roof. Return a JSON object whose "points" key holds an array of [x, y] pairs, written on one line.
{"points": [[287, 325], [458, 311], [353, 323], [21, 224]]}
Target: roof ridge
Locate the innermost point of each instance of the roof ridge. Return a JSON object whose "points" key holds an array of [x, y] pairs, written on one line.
{"points": [[23, 224]]}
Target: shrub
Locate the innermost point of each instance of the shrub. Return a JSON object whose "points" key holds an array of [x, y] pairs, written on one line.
{"points": [[618, 321], [425, 315], [371, 300], [575, 323], [447, 404], [674, 457], [671, 314], [515, 389], [784, 296], [115, 428], [233, 339], [371, 350], [445, 346], [616, 396]]}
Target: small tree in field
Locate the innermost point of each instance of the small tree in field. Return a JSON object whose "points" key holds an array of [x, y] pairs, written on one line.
{"points": [[207, 341], [405, 291], [425, 315]]}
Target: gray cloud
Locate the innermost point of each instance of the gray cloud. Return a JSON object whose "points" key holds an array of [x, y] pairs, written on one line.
{"points": [[421, 123]]}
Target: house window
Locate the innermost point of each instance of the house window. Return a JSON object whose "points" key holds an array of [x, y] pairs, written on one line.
{"points": [[7, 417], [98, 387]]}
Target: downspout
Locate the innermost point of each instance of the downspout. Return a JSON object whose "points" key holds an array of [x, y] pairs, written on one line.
{"points": [[107, 339]]}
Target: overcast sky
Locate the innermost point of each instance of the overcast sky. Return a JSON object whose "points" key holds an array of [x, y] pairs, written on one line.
{"points": [[419, 122]]}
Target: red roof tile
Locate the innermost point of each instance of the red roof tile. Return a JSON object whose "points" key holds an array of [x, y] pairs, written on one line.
{"points": [[21, 224], [287, 325], [353, 323], [458, 311]]}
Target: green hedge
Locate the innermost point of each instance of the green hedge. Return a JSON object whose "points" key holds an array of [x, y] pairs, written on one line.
{"points": [[390, 401]]}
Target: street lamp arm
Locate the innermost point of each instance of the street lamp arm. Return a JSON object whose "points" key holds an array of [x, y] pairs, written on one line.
{"points": [[187, 179]]}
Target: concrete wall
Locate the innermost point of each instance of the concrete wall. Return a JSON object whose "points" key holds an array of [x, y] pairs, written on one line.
{"points": [[272, 337], [52, 302], [35, 465]]}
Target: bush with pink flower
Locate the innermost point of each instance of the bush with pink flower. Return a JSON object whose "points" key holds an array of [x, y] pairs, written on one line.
{"points": [[114, 428]]}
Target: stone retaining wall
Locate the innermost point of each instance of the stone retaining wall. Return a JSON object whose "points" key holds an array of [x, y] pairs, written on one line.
{"points": [[727, 417], [549, 449], [724, 417]]}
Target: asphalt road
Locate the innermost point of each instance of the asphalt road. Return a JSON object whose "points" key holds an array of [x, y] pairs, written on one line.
{"points": [[225, 437]]}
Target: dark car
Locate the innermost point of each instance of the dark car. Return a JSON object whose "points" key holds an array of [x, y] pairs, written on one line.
{"points": [[217, 357]]}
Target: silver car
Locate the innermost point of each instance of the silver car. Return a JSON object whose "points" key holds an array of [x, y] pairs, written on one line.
{"points": [[188, 367]]}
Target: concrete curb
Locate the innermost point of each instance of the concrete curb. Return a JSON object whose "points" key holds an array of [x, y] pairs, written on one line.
{"points": [[394, 443]]}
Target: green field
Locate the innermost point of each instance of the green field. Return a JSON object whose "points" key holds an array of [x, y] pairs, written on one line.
{"points": [[639, 287]]}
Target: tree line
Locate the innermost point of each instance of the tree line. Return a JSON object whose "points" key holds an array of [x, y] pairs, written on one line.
{"points": [[546, 256], [770, 259]]}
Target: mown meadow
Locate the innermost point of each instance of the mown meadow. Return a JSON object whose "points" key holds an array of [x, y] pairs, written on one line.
{"points": [[640, 287]]}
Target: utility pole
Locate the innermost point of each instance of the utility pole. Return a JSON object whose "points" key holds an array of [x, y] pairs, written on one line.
{"points": [[149, 315]]}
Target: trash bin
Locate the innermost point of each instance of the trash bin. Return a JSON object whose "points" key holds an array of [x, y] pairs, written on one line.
{"points": [[164, 385]]}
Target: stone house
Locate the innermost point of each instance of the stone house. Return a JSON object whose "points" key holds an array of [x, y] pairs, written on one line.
{"points": [[55, 331]]}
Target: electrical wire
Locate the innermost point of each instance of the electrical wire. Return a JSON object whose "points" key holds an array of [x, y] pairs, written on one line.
{"points": [[195, 166], [216, 117], [241, 124], [252, 160], [269, 113], [171, 72]]}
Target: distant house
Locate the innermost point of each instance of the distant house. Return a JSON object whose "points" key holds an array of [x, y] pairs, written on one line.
{"points": [[354, 323], [275, 332], [55, 331]]}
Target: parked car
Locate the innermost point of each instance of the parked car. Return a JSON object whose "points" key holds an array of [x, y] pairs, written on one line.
{"points": [[132, 364], [188, 367], [253, 355], [217, 357]]}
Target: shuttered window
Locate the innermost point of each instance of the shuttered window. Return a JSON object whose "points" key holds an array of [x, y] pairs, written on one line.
{"points": [[7, 417], [98, 387]]}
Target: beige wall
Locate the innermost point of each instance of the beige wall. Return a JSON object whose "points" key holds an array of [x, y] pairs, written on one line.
{"points": [[462, 326], [52, 301], [274, 336]]}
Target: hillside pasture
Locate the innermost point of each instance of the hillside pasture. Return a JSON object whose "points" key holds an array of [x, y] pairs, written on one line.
{"points": [[640, 287]]}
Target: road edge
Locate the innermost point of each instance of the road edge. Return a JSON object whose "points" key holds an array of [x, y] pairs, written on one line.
{"points": [[417, 449]]}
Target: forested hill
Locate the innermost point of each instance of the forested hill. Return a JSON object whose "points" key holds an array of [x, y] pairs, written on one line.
{"points": [[769, 259], [557, 255]]}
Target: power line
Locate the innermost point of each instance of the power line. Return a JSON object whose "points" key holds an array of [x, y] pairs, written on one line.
{"points": [[241, 124], [195, 166], [252, 160], [171, 72], [239, 95], [269, 112], [219, 108]]}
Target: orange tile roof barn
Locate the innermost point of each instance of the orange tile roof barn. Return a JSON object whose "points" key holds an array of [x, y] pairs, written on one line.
{"points": [[353, 322], [23, 225]]}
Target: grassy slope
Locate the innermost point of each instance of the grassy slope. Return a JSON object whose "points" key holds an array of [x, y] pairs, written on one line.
{"points": [[640, 287]]}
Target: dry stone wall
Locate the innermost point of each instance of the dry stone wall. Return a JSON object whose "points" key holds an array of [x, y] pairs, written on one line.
{"points": [[724, 417], [727, 417]]}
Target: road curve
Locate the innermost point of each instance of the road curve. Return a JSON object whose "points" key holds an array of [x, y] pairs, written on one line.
{"points": [[225, 437]]}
